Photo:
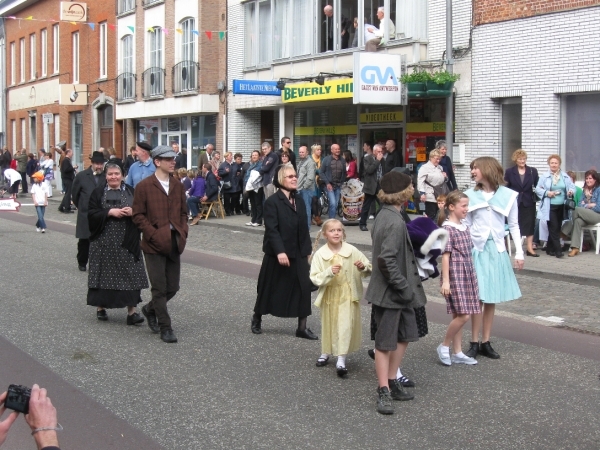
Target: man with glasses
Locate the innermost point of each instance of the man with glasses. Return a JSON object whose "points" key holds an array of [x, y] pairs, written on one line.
{"points": [[160, 212], [286, 147], [333, 174]]}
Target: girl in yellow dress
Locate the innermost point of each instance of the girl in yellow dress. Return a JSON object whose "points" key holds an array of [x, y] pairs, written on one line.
{"points": [[337, 269]]}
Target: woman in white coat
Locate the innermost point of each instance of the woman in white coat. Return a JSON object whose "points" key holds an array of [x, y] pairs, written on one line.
{"points": [[431, 176]]}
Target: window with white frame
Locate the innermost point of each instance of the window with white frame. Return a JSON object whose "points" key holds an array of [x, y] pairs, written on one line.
{"points": [[103, 50], [13, 127], [13, 63], [126, 79], [126, 6], [580, 127], [75, 50], [55, 48], [188, 52], [127, 54], [156, 47], [44, 51], [32, 57], [23, 134], [22, 62], [279, 29]]}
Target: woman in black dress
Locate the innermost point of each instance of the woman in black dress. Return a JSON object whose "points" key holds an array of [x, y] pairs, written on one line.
{"points": [[117, 273], [284, 285]]}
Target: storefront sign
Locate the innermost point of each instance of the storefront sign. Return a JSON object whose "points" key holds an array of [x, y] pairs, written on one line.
{"points": [[73, 11], [326, 131], [382, 117], [377, 78], [308, 92], [39, 94], [427, 127], [255, 87]]}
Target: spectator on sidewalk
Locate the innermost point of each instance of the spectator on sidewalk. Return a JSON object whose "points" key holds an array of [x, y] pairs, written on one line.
{"points": [[206, 156], [447, 166], [286, 147], [588, 210], [143, 167], [130, 159], [430, 178], [85, 182], [47, 165], [21, 159], [256, 193], [315, 154], [267, 170], [196, 195], [67, 175], [13, 179], [373, 163], [5, 159], [351, 169], [31, 167], [39, 194], [333, 174], [306, 179], [230, 179]]}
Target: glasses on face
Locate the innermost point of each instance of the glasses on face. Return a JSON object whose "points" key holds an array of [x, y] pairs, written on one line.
{"points": [[290, 177], [288, 142]]}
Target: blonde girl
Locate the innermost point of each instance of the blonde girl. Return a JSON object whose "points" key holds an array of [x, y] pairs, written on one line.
{"points": [[459, 282], [337, 268]]}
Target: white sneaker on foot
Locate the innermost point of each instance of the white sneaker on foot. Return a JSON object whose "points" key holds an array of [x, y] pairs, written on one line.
{"points": [[43, 230], [444, 357], [371, 217], [249, 224], [464, 359], [38, 229], [256, 225]]}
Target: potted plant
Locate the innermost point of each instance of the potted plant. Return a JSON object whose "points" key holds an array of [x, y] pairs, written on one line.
{"points": [[441, 83], [416, 83]]}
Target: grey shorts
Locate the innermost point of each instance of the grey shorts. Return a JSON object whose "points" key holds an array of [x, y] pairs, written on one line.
{"points": [[393, 326]]}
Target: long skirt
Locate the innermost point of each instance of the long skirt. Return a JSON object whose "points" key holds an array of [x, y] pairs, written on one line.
{"points": [[495, 275], [283, 291]]}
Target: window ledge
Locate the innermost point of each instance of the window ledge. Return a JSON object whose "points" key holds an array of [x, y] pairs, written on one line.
{"points": [[150, 5], [154, 97], [126, 13], [186, 93], [55, 74], [125, 101], [101, 79]]}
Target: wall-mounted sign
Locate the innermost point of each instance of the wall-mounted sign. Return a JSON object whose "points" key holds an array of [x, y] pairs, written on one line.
{"points": [[28, 97], [255, 87], [377, 77], [73, 11], [326, 130], [308, 92], [382, 117], [48, 118]]}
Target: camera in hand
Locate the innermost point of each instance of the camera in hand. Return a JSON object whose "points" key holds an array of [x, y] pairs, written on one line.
{"points": [[17, 398]]}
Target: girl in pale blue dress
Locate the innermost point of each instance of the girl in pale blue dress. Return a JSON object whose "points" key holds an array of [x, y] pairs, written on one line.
{"points": [[490, 206]]}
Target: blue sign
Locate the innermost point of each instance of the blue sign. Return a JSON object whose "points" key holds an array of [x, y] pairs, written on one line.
{"points": [[255, 87]]}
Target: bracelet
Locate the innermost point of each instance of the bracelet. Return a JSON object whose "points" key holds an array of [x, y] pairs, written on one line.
{"points": [[57, 428]]}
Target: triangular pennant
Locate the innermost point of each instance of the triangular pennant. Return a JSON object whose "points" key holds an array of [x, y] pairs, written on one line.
{"points": [[112, 27], [221, 35], [29, 18], [196, 32], [11, 17], [73, 23], [165, 30], [179, 30], [92, 26], [131, 28], [151, 29], [208, 34]]}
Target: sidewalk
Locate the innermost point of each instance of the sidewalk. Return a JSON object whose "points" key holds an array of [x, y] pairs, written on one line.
{"points": [[582, 269]]}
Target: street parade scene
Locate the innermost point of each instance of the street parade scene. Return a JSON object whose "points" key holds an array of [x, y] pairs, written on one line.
{"points": [[224, 221]]}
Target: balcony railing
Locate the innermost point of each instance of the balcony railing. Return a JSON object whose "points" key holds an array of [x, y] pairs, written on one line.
{"points": [[125, 6], [126, 86], [153, 82], [185, 76]]}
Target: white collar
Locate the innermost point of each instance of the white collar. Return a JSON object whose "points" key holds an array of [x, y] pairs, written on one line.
{"points": [[459, 226]]}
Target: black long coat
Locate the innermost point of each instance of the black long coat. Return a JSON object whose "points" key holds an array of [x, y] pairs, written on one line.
{"points": [[82, 189], [525, 189], [284, 291]]}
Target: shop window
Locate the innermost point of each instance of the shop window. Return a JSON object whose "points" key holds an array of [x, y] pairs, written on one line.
{"points": [[76, 119], [148, 131], [325, 126], [512, 114], [581, 121], [204, 132]]}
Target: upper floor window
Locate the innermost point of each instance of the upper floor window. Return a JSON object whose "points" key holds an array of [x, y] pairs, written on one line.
{"points": [[55, 48], [125, 6], [276, 29], [44, 51], [22, 62], [32, 57], [75, 49], [126, 79], [103, 50], [127, 54], [156, 47], [188, 52], [13, 63]]}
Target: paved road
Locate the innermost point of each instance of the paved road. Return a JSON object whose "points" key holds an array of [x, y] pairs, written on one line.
{"points": [[222, 387]]}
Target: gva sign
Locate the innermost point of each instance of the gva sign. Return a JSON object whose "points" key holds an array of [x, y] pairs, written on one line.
{"points": [[369, 74]]}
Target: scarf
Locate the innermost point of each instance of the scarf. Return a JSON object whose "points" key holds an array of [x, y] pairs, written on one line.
{"points": [[556, 177]]}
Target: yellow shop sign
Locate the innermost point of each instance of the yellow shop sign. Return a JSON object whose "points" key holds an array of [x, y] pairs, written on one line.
{"points": [[326, 130], [382, 117], [308, 92]]}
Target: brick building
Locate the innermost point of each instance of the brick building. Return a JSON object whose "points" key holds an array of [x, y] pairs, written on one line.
{"points": [[171, 57], [536, 80], [59, 77]]}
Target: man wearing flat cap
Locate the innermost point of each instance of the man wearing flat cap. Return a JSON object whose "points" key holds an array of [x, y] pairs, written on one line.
{"points": [[84, 184], [395, 288], [143, 167], [160, 212]]}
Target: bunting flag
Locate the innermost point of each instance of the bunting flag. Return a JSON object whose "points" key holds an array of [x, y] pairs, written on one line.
{"points": [[209, 33]]}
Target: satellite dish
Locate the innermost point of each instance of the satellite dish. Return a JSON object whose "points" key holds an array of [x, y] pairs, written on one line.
{"points": [[73, 96]]}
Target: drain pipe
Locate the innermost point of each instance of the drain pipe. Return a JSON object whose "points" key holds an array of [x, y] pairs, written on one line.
{"points": [[449, 68]]}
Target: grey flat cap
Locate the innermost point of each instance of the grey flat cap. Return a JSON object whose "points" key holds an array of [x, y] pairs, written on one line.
{"points": [[162, 151]]}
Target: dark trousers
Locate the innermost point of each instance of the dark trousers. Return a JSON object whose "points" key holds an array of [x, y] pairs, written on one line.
{"points": [[554, 224], [164, 273], [245, 198], [366, 207], [256, 205], [24, 182], [232, 202], [431, 209], [65, 205], [83, 251]]}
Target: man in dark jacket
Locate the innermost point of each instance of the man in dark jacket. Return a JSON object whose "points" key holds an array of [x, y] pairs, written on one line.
{"points": [[21, 159], [84, 184], [268, 168], [393, 158], [286, 146], [333, 174], [160, 212], [373, 163], [67, 174], [446, 164]]}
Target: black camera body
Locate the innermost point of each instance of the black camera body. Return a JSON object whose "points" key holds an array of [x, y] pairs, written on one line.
{"points": [[17, 398]]}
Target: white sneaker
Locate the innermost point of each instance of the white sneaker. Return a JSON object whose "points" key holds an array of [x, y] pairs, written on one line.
{"points": [[38, 229], [249, 224], [371, 217], [444, 357], [43, 230], [463, 360], [256, 225]]}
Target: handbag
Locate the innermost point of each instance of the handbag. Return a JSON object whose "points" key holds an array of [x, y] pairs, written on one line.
{"points": [[570, 204], [227, 185], [442, 189]]}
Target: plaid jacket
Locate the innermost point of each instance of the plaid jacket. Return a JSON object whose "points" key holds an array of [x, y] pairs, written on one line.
{"points": [[154, 212]]}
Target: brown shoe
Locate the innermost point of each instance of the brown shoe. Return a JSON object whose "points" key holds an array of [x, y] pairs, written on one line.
{"points": [[318, 221], [574, 251], [196, 220]]}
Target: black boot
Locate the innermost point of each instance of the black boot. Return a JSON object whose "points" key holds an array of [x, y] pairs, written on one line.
{"points": [[486, 350], [256, 324], [473, 350]]}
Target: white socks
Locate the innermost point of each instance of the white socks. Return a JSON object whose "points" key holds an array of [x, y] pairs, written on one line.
{"points": [[341, 361], [460, 355], [445, 350]]}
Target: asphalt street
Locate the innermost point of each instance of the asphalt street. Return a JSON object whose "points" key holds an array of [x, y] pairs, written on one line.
{"points": [[222, 387]]}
